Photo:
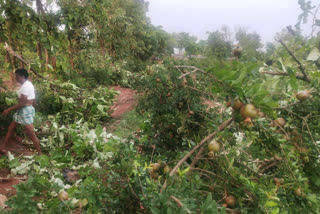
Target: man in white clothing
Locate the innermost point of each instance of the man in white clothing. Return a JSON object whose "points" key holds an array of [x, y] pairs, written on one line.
{"points": [[25, 111]]}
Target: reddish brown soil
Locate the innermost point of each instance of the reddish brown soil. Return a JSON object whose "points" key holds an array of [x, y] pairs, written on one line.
{"points": [[125, 101], [6, 181]]}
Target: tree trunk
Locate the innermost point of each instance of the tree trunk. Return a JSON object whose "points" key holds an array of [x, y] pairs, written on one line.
{"points": [[47, 58], [71, 56], [39, 50], [7, 57], [53, 62], [21, 64]]}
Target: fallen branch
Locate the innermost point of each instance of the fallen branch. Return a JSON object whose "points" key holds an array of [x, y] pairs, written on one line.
{"points": [[200, 70], [304, 120], [14, 54], [180, 204], [301, 67], [209, 137], [195, 160], [269, 166], [274, 73], [208, 172]]}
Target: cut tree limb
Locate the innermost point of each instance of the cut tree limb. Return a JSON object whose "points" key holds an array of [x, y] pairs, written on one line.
{"points": [[14, 54], [199, 145], [274, 73], [180, 204], [301, 67]]}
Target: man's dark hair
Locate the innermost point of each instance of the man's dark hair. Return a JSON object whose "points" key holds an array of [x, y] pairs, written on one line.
{"points": [[22, 72]]}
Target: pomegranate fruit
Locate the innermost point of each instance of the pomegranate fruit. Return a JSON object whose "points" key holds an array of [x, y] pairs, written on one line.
{"points": [[303, 95], [280, 122], [248, 110], [230, 200], [214, 146]]}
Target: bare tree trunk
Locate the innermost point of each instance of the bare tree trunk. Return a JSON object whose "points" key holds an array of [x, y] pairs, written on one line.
{"points": [[71, 56], [20, 63], [47, 58], [7, 57], [39, 50], [12, 76], [102, 48], [53, 62]]}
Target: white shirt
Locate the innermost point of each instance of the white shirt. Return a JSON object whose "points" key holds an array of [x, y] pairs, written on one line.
{"points": [[27, 89]]}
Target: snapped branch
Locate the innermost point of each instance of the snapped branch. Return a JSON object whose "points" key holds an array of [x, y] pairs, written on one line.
{"points": [[14, 54], [301, 67]]}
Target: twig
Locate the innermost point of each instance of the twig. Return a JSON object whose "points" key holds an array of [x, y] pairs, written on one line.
{"points": [[208, 172], [195, 160], [306, 124], [210, 136], [274, 73], [301, 67], [141, 187], [201, 71], [188, 73], [153, 148], [314, 22], [15, 178], [180, 204], [268, 167], [132, 190]]}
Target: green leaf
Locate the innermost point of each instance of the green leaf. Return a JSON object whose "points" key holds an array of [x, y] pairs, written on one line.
{"points": [[43, 160], [99, 130], [314, 55], [100, 107], [271, 204], [14, 163]]}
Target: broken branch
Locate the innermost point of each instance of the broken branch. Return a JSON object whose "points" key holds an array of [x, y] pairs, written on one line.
{"points": [[210, 136]]}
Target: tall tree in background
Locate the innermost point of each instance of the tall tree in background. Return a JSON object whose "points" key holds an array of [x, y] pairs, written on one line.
{"points": [[250, 42], [218, 44], [187, 42]]}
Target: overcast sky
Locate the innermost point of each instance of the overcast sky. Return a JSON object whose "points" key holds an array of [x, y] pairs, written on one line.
{"points": [[266, 17]]}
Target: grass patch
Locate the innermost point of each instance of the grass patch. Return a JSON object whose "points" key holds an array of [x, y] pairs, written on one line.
{"points": [[130, 122]]}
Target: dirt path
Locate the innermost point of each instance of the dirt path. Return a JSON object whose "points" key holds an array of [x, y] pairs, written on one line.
{"points": [[125, 102], [6, 181]]}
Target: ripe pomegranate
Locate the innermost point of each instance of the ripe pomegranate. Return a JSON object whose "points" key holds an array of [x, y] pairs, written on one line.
{"points": [[230, 200], [298, 192], [156, 167], [237, 105], [248, 110], [63, 195], [303, 95], [214, 146], [280, 121]]}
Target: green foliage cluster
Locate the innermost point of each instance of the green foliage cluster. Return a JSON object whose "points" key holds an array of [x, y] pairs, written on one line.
{"points": [[176, 113], [265, 167]]}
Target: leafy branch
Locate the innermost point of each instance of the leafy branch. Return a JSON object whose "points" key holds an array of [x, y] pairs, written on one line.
{"points": [[301, 67]]}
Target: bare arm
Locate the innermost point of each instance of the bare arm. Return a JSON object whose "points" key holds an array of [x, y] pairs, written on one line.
{"points": [[23, 101]]}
